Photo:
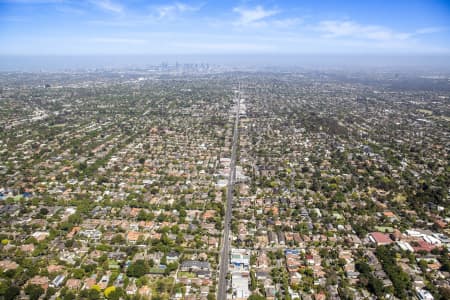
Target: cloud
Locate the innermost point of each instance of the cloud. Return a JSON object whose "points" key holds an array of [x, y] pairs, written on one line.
{"points": [[170, 11], [285, 23], [227, 47], [108, 5], [113, 40], [349, 29], [253, 16], [428, 30]]}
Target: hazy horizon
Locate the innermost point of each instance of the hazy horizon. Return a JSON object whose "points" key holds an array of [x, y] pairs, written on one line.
{"points": [[52, 63]]}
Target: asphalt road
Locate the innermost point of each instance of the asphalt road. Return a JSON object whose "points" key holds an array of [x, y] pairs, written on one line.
{"points": [[224, 254]]}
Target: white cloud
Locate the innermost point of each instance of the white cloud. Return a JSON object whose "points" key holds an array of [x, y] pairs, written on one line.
{"points": [[226, 47], [253, 16], [113, 40], [108, 5], [428, 30], [349, 29], [170, 11], [285, 23]]}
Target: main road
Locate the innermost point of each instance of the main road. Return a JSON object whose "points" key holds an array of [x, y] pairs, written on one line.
{"points": [[224, 254]]}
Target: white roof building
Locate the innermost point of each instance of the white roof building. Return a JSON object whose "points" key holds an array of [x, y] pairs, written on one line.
{"points": [[239, 282]]}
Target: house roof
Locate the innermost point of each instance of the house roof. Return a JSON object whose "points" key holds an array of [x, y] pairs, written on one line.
{"points": [[380, 238]]}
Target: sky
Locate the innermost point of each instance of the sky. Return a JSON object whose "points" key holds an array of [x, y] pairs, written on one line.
{"points": [[97, 27]]}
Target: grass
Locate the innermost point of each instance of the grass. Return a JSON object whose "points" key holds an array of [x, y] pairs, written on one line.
{"points": [[186, 274]]}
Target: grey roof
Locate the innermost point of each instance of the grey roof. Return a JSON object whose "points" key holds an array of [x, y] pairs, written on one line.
{"points": [[195, 264]]}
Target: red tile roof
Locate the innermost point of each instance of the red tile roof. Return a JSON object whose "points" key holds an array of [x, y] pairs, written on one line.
{"points": [[381, 238]]}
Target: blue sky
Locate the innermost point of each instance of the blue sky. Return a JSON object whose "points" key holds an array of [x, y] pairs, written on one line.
{"points": [[74, 27]]}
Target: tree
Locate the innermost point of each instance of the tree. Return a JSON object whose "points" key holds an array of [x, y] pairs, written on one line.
{"points": [[253, 259], [256, 297], [89, 268], [444, 292], [253, 281], [96, 287], [138, 268], [90, 294], [34, 291], [11, 292], [93, 294], [69, 296], [117, 294], [78, 273], [118, 239], [211, 296], [50, 292], [108, 291], [69, 243], [445, 262], [143, 216], [171, 267], [372, 283], [399, 278]]}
